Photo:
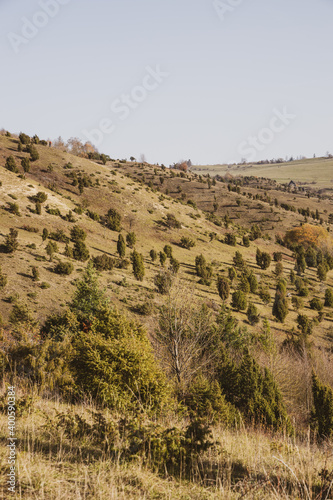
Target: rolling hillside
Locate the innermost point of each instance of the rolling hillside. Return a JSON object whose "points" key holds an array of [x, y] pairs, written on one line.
{"points": [[313, 172]]}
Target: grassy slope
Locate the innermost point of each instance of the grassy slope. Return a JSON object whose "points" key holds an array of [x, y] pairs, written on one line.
{"points": [[314, 171], [243, 464], [142, 209]]}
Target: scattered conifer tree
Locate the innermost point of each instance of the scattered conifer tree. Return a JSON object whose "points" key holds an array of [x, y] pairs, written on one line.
{"points": [[131, 239], [11, 242], [322, 412], [138, 265], [11, 164], [223, 288], [121, 247]]}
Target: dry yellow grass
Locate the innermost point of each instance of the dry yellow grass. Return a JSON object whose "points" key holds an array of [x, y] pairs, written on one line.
{"points": [[245, 463]]}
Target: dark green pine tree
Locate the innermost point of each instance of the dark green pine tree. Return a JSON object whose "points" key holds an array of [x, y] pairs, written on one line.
{"points": [[121, 246], [138, 265], [254, 393], [322, 411]]}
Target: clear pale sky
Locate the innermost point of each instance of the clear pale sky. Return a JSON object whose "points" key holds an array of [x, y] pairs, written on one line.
{"points": [[227, 73]]}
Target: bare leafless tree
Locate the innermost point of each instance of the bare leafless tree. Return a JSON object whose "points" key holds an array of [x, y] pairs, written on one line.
{"points": [[183, 335]]}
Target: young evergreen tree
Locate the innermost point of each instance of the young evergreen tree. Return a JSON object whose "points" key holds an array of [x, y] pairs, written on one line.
{"points": [[45, 234], [254, 392], [80, 251], [238, 260], [239, 301], [131, 239], [246, 241], [153, 255], [168, 251], [280, 306], [3, 279], [174, 265], [322, 271], [51, 249], [232, 273], [34, 155], [138, 265], [329, 297], [322, 411], [11, 164], [163, 258], [89, 299], [11, 242], [25, 162], [113, 220], [78, 234], [223, 288], [121, 247], [252, 314]]}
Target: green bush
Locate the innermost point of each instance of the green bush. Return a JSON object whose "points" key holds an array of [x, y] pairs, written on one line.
{"points": [[121, 247], [131, 239], [35, 273], [187, 243], [174, 265], [34, 155], [230, 239], [232, 273], [11, 164], [103, 262], [114, 362], [113, 220], [168, 251], [277, 256], [24, 138], [138, 266], [280, 306], [163, 258], [238, 260], [14, 209], [171, 222], [80, 251], [297, 302], [11, 242], [163, 282], [254, 392], [78, 234], [59, 235], [263, 259], [20, 314], [246, 241], [239, 301], [316, 304], [51, 249], [153, 255], [223, 288], [329, 297], [3, 279], [252, 314], [322, 412], [204, 399], [304, 324], [25, 162], [64, 268], [204, 271], [322, 270]]}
